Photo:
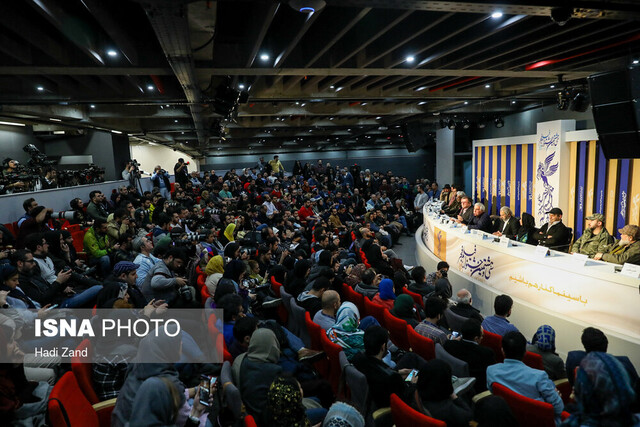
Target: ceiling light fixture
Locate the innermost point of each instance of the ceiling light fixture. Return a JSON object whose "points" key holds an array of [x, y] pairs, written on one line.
{"points": [[92, 106], [422, 102], [40, 88], [466, 124], [241, 86], [497, 14], [11, 123], [264, 57], [150, 87], [466, 102], [307, 6], [112, 53], [410, 58], [552, 86], [513, 102], [636, 61], [498, 122], [54, 120], [487, 86]]}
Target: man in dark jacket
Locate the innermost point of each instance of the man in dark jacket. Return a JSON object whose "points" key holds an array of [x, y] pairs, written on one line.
{"points": [[382, 380], [508, 225], [469, 350], [554, 234], [311, 300], [466, 213], [464, 308], [480, 219]]}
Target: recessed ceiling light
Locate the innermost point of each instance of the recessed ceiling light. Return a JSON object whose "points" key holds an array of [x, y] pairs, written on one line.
{"points": [[241, 86], [513, 102], [466, 102], [422, 102], [116, 131], [332, 87], [264, 57], [166, 105], [378, 118], [92, 106], [297, 102], [112, 53], [11, 123], [331, 118], [497, 14], [40, 88], [150, 87], [303, 104], [552, 86], [636, 61], [339, 89], [410, 58], [487, 86], [175, 121], [54, 120]]}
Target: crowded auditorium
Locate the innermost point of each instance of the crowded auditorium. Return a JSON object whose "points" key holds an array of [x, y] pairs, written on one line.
{"points": [[327, 213]]}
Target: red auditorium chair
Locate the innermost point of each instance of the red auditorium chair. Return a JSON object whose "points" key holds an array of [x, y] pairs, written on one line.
{"points": [[494, 342], [421, 345], [529, 412], [397, 330], [405, 416], [533, 360], [82, 369], [217, 337], [355, 297], [282, 310], [315, 331], [333, 351], [78, 240], [417, 298], [249, 421], [375, 310], [68, 407]]}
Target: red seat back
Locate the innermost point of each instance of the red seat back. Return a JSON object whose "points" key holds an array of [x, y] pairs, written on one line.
{"points": [[355, 297], [533, 360], [405, 416], [529, 412], [283, 314], [375, 310], [494, 342], [78, 240], [397, 329], [68, 407], [422, 345], [249, 421], [82, 369], [333, 354], [315, 331], [417, 298]]}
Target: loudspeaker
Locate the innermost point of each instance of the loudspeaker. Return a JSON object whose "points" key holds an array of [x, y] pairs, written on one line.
{"points": [[616, 112], [414, 136]]}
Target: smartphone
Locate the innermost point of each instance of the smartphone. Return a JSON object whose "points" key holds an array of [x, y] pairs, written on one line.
{"points": [[455, 334], [52, 307], [206, 384], [412, 374]]}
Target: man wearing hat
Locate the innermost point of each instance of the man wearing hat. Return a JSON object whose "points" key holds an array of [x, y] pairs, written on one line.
{"points": [[125, 273], [553, 234], [595, 238], [627, 249]]}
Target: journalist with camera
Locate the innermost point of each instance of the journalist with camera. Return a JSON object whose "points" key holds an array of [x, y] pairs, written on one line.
{"points": [[160, 180]]}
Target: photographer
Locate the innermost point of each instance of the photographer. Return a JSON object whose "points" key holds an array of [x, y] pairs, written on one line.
{"points": [[28, 205], [162, 282], [119, 224], [180, 172], [10, 170], [443, 268], [35, 224], [160, 180], [143, 214]]}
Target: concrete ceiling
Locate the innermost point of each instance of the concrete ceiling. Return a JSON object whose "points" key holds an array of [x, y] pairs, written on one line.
{"points": [[339, 77]]}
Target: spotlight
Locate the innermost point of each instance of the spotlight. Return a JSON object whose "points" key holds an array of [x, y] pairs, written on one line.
{"points": [[580, 102], [497, 14], [498, 122], [561, 15], [552, 86], [564, 99], [409, 58], [487, 86], [92, 106], [150, 87], [451, 124], [513, 102], [307, 6], [466, 124], [40, 88], [264, 57], [636, 62], [241, 86], [481, 125], [112, 53]]}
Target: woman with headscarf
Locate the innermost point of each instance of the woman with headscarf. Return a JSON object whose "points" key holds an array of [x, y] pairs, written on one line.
{"points": [[298, 280], [342, 414], [435, 396], [355, 276], [214, 271], [527, 228], [346, 332], [284, 404], [403, 308], [255, 371], [603, 392], [544, 344], [228, 235], [385, 296]]}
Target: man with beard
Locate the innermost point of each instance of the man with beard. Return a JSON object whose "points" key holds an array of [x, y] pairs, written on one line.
{"points": [[96, 246], [625, 250], [595, 238]]}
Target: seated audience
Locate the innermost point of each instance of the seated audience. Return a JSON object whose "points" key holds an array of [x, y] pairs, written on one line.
{"points": [[346, 330], [369, 284], [544, 344], [385, 296], [468, 349], [436, 397], [434, 308], [498, 323], [243, 328], [419, 284], [311, 300], [326, 317], [463, 306], [404, 308], [493, 411], [517, 376]]}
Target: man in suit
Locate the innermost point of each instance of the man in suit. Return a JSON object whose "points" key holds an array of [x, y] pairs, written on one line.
{"points": [[508, 225], [469, 350], [553, 234], [480, 220], [466, 213], [464, 308]]}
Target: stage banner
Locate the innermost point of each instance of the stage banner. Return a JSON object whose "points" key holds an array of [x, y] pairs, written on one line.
{"points": [[552, 170], [584, 294]]}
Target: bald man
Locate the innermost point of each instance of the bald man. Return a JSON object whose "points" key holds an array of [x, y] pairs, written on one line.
{"points": [[463, 307], [330, 305]]}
